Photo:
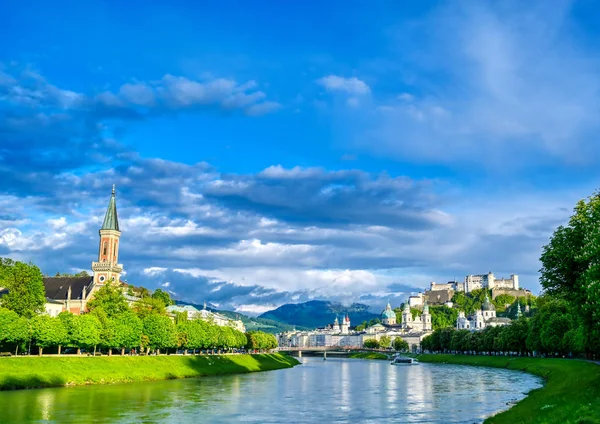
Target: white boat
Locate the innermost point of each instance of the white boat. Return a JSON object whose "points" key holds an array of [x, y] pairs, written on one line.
{"points": [[403, 360]]}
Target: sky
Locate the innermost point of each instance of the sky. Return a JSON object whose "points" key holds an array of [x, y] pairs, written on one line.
{"points": [[277, 152]]}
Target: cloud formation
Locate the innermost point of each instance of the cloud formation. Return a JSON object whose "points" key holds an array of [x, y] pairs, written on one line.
{"points": [[508, 82], [352, 85]]}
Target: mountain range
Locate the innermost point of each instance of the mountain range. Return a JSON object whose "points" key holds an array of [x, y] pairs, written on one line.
{"points": [[318, 313], [251, 323]]}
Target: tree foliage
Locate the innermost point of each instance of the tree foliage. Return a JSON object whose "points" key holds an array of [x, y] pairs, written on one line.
{"points": [[400, 344], [571, 269], [160, 331], [443, 316], [48, 331], [147, 306], [259, 340], [371, 344], [385, 342], [24, 282], [164, 296], [14, 330], [110, 298]]}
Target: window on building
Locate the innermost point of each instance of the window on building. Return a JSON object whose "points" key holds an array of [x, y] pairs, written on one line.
{"points": [[105, 249]]}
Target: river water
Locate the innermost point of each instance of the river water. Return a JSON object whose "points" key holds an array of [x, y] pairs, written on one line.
{"points": [[332, 391]]}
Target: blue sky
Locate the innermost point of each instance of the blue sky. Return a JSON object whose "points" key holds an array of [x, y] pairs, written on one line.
{"points": [[267, 153]]}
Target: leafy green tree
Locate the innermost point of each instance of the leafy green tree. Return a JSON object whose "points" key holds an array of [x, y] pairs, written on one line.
{"points": [[14, 330], [149, 306], [26, 293], [571, 267], [401, 344], [258, 340], [127, 328], [48, 331], [110, 298], [79, 274], [385, 342], [164, 296], [361, 326], [85, 331], [160, 331], [501, 301], [443, 316], [371, 344]]}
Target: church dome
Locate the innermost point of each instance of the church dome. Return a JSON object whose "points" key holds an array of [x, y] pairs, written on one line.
{"points": [[388, 313], [487, 305]]}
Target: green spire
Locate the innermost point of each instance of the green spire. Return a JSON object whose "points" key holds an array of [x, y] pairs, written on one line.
{"points": [[111, 222]]}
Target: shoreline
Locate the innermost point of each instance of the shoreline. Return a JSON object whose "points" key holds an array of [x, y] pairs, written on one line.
{"points": [[44, 372], [571, 391]]}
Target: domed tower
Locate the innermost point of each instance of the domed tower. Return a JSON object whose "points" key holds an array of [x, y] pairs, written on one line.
{"points": [[406, 316], [336, 325], [426, 318], [388, 316], [345, 325], [107, 268], [488, 308]]}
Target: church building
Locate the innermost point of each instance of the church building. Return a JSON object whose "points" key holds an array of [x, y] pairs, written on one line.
{"points": [[72, 293]]}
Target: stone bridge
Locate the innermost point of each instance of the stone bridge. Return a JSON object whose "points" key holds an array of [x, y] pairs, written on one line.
{"points": [[337, 351]]}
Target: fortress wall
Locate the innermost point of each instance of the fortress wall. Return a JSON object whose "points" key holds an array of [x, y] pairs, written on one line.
{"points": [[511, 292]]}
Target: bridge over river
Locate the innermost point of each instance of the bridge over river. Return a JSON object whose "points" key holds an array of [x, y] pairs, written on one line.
{"points": [[324, 351]]}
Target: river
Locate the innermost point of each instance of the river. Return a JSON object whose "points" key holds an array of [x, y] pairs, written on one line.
{"points": [[332, 391]]}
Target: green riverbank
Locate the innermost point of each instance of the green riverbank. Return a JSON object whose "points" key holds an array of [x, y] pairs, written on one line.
{"points": [[368, 355], [571, 393], [36, 372]]}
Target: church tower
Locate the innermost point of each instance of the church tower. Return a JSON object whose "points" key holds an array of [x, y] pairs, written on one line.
{"points": [[107, 268], [407, 319], [426, 318]]}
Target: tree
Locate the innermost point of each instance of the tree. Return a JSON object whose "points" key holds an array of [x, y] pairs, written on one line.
{"points": [[401, 345], [79, 274], [127, 328], [443, 316], [362, 326], [385, 342], [110, 298], [26, 293], [14, 330], [149, 306], [85, 331], [164, 296], [257, 340], [160, 331], [371, 344], [571, 267], [48, 331]]}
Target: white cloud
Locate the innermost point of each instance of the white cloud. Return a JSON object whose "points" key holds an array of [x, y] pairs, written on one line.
{"points": [[347, 85], [154, 270], [511, 83]]}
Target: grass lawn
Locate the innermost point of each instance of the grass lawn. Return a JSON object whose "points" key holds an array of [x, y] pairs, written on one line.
{"points": [[368, 355], [35, 372], [571, 393]]}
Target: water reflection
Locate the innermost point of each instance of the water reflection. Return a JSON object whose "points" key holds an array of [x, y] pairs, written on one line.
{"points": [[336, 391]]}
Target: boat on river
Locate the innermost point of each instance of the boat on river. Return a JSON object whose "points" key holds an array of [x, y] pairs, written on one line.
{"points": [[404, 360]]}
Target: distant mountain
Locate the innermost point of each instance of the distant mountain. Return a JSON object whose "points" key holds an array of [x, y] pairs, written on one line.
{"points": [[318, 313], [251, 324]]}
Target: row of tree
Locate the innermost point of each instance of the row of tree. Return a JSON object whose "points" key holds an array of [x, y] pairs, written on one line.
{"points": [[122, 331], [553, 330], [385, 342], [110, 324]]}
